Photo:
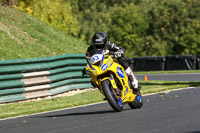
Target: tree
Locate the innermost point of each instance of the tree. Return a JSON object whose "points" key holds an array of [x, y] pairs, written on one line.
{"points": [[128, 29]]}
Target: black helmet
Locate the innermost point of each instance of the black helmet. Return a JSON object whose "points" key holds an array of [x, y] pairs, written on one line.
{"points": [[99, 40]]}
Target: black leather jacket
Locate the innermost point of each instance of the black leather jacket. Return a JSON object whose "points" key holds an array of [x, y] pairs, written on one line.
{"points": [[109, 47]]}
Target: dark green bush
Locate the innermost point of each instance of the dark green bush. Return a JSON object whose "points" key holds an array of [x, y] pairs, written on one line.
{"points": [[143, 27]]}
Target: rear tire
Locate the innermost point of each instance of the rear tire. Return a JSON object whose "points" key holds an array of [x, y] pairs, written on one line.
{"points": [[112, 100], [137, 102]]}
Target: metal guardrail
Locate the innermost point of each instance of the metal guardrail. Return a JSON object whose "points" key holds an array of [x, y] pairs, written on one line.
{"points": [[38, 77], [175, 62]]}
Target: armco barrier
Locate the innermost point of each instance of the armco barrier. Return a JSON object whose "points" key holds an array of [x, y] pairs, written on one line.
{"points": [[148, 64], [39, 77], [176, 62], [198, 62], [180, 62]]}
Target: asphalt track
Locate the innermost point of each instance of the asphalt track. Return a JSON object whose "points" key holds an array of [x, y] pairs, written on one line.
{"points": [[169, 112]]}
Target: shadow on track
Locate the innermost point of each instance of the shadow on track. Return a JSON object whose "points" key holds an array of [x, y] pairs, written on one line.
{"points": [[77, 114]]}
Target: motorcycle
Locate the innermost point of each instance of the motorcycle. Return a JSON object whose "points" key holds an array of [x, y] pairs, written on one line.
{"points": [[112, 81]]}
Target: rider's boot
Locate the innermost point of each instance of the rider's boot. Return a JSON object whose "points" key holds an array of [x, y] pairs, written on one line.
{"points": [[133, 79]]}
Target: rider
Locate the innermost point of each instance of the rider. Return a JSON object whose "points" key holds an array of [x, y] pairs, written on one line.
{"points": [[100, 41]]}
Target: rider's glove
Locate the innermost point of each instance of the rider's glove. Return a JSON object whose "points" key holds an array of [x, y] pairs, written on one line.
{"points": [[118, 54], [83, 72]]}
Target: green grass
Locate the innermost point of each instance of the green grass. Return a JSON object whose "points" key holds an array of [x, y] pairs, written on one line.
{"points": [[91, 96], [158, 86], [24, 36], [168, 72]]}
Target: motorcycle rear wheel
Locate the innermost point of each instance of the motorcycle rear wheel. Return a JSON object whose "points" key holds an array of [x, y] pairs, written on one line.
{"points": [[137, 102], [109, 94]]}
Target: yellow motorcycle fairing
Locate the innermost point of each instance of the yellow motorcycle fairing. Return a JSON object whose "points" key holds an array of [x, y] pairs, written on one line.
{"points": [[107, 69]]}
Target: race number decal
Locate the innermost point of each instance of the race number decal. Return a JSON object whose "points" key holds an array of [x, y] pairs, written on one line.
{"points": [[95, 58]]}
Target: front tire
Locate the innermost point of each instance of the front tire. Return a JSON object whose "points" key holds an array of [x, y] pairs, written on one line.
{"points": [[137, 102], [110, 96]]}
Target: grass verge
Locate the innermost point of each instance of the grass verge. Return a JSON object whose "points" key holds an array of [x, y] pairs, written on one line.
{"points": [[24, 36], [91, 96], [168, 72]]}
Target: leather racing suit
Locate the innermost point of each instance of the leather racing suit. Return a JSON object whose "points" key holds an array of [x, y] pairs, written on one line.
{"points": [[119, 54]]}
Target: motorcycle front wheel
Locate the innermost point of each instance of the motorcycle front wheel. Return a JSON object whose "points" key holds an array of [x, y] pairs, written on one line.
{"points": [[109, 92], [137, 102]]}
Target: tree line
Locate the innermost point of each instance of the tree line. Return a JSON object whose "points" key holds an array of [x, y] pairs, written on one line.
{"points": [[142, 27]]}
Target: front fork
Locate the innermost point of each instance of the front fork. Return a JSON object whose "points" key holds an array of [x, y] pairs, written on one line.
{"points": [[112, 81], [115, 89]]}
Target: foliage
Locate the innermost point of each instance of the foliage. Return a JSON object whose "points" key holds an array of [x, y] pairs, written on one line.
{"points": [[93, 16], [56, 13], [174, 24], [128, 29], [143, 27]]}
